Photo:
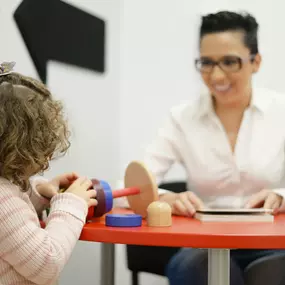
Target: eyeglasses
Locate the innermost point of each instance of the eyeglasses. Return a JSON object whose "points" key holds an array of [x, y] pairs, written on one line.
{"points": [[228, 64]]}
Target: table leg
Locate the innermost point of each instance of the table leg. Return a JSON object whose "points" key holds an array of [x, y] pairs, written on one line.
{"points": [[219, 267], [107, 264]]}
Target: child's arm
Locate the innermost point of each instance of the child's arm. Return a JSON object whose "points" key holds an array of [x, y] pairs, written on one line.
{"points": [[40, 203], [42, 189], [37, 254]]}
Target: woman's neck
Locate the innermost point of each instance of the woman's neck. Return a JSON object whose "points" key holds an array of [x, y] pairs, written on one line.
{"points": [[238, 107]]}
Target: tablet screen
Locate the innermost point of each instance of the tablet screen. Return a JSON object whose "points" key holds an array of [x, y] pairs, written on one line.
{"points": [[229, 211]]}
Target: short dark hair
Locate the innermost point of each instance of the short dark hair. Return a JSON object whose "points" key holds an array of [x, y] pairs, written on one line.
{"points": [[230, 21]]}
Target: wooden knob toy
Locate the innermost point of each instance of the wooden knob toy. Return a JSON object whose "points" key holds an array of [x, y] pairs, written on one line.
{"points": [[159, 214], [137, 176]]}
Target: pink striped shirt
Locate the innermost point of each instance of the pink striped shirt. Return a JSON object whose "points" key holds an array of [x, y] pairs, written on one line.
{"points": [[29, 254]]}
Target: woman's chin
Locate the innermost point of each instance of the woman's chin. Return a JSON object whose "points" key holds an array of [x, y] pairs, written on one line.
{"points": [[230, 99]]}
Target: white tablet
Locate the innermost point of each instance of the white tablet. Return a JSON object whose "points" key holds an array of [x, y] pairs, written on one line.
{"points": [[229, 211]]}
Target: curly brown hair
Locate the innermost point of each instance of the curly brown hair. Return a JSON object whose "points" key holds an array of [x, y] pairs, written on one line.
{"points": [[32, 128]]}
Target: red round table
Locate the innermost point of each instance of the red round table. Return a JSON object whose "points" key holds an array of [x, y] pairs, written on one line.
{"points": [[218, 238]]}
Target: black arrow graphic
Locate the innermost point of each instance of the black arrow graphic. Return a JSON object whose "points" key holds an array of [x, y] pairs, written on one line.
{"points": [[54, 30]]}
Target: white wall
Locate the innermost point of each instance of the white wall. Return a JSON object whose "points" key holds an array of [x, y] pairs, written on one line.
{"points": [[157, 42]]}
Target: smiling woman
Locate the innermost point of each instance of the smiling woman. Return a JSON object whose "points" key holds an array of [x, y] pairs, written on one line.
{"points": [[230, 141], [228, 58]]}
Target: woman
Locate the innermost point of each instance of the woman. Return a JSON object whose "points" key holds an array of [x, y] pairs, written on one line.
{"points": [[230, 141]]}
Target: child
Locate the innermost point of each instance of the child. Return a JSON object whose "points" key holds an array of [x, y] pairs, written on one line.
{"points": [[32, 132]]}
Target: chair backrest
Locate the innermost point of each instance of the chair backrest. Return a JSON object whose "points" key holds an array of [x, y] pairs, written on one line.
{"points": [[266, 270], [174, 186]]}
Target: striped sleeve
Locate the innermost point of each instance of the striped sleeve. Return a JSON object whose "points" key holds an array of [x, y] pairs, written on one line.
{"points": [[40, 203], [37, 254]]}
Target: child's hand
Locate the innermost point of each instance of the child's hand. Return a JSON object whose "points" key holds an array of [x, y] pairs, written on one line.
{"points": [[81, 188], [51, 188]]}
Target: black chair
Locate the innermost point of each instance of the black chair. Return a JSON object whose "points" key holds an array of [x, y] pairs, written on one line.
{"points": [[152, 259], [266, 270]]}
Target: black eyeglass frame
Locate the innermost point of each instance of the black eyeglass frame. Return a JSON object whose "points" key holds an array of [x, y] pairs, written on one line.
{"points": [[240, 60]]}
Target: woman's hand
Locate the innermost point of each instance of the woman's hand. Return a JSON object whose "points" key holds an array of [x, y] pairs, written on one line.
{"points": [[51, 188], [186, 204], [265, 199]]}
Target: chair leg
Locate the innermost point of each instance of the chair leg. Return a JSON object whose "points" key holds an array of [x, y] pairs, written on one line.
{"points": [[135, 278]]}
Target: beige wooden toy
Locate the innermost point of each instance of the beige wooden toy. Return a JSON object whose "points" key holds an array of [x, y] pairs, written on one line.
{"points": [[159, 214], [138, 176]]}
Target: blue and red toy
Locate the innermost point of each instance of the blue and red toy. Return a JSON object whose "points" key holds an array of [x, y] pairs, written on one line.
{"points": [[140, 191], [105, 197]]}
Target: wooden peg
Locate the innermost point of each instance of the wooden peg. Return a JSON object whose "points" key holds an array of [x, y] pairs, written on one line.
{"points": [[159, 214]]}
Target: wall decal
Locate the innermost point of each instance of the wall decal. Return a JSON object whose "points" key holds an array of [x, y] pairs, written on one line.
{"points": [[54, 30]]}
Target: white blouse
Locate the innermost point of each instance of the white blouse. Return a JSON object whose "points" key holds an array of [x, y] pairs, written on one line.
{"points": [[194, 137]]}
